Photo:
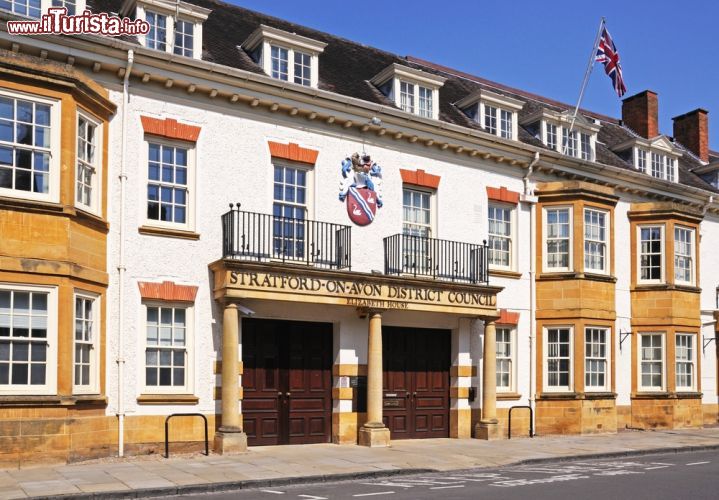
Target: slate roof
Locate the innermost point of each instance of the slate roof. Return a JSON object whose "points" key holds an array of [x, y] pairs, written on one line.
{"points": [[346, 68]]}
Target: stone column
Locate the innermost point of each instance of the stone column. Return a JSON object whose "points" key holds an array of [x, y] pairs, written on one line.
{"points": [[373, 433], [230, 438], [487, 427]]}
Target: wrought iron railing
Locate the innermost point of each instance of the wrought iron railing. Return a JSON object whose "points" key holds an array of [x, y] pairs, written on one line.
{"points": [[438, 259], [265, 237]]}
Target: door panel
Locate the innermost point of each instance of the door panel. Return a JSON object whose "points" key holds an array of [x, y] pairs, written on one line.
{"points": [[287, 382], [416, 382]]}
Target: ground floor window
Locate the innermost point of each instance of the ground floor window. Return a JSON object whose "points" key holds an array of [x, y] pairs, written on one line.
{"points": [[685, 359], [558, 358], [595, 358], [85, 364], [167, 349], [651, 361], [505, 361], [28, 336]]}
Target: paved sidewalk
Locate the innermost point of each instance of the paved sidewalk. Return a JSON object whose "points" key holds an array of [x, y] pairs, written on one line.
{"points": [[280, 464]]}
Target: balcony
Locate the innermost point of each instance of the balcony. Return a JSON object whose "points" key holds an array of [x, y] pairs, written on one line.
{"points": [[265, 238], [433, 258]]}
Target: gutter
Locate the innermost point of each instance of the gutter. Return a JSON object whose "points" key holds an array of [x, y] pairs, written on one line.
{"points": [[121, 264]]}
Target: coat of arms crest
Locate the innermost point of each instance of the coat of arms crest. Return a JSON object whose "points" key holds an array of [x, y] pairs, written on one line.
{"points": [[361, 188]]}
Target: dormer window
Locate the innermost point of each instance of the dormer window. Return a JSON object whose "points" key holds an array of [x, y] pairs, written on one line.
{"points": [[656, 157], [558, 133], [496, 113], [174, 27], [411, 90], [33, 8], [286, 56]]}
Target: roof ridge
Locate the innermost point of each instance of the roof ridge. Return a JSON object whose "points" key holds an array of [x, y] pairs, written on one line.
{"points": [[507, 88]]}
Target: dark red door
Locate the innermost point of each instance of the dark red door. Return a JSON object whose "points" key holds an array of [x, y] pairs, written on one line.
{"points": [[287, 382], [416, 382]]}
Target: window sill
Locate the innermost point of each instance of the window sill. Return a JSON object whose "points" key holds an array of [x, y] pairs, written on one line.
{"points": [[508, 396], [548, 396], [168, 233], [689, 395], [639, 287], [503, 273], [54, 400], [563, 275], [167, 399], [653, 395], [600, 395]]}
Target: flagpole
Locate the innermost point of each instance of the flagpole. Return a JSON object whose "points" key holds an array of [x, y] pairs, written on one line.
{"points": [[590, 66]]}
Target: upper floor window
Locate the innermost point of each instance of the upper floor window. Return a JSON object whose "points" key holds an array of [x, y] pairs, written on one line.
{"points": [[578, 136], [70, 5], [286, 56], [496, 113], [29, 8], [156, 38], [500, 235], [417, 212], [683, 255], [28, 138], [557, 237], [662, 166], [184, 38], [651, 254], [656, 157], [595, 240], [28, 340], [86, 177], [410, 89], [505, 359], [290, 208], [169, 184], [175, 27]]}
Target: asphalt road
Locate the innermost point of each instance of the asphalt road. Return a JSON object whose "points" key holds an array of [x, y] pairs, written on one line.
{"points": [[673, 476]]}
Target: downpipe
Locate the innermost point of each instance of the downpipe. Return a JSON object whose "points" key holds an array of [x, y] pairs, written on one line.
{"points": [[121, 264], [529, 198]]}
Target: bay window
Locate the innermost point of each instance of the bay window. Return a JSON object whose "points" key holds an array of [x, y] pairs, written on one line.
{"points": [[651, 361], [29, 143], [86, 344], [651, 254], [558, 359], [683, 255], [28, 340], [596, 349], [685, 362], [87, 189], [557, 237], [596, 236]]}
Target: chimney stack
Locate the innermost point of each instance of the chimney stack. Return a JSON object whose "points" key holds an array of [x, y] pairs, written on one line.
{"points": [[692, 130], [640, 113]]}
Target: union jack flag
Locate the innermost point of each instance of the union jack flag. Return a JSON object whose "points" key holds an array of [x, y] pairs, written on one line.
{"points": [[607, 54]]}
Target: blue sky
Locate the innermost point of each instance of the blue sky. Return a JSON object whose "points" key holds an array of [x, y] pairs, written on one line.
{"points": [[670, 47]]}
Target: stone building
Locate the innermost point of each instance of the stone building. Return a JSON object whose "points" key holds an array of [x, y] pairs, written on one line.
{"points": [[171, 241]]}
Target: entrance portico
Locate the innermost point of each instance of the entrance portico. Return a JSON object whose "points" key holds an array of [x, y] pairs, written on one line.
{"points": [[370, 297]]}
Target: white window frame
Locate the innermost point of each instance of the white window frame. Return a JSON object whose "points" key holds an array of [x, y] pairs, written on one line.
{"points": [[53, 194], [94, 386], [691, 362], [691, 256], [640, 160], [640, 386], [432, 209], [169, 14], [545, 261], [498, 109], [606, 241], [562, 128], [545, 362], [407, 96], [46, 4], [662, 279], [512, 387], [512, 233], [189, 224], [96, 197], [606, 358], [189, 386], [50, 386]]}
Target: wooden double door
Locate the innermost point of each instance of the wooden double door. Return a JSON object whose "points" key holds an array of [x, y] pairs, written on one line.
{"points": [[287, 382], [416, 382]]}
